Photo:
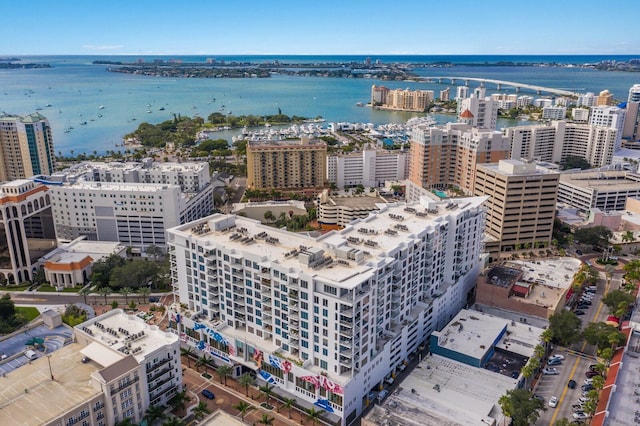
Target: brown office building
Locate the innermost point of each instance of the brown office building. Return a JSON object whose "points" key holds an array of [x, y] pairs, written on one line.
{"points": [[521, 207]]}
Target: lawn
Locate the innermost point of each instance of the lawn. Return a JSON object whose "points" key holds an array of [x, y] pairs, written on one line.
{"points": [[29, 313], [15, 288], [51, 289]]}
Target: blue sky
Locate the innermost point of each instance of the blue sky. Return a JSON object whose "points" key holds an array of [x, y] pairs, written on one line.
{"points": [[138, 27]]}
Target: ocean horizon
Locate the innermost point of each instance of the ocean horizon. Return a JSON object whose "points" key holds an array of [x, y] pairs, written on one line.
{"points": [[75, 90]]}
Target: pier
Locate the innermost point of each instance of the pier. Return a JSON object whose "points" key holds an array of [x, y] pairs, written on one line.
{"points": [[499, 84]]}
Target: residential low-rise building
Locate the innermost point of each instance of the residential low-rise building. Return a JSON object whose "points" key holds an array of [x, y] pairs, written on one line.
{"points": [[116, 369], [340, 209]]}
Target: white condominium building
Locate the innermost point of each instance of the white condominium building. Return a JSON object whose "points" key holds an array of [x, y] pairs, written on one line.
{"points": [[554, 113], [484, 110], [371, 167], [609, 116], [558, 140], [325, 319], [128, 202]]}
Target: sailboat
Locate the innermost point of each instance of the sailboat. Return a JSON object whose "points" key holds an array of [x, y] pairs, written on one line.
{"points": [[82, 122]]}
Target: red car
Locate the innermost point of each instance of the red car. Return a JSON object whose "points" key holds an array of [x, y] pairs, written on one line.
{"points": [[591, 374]]}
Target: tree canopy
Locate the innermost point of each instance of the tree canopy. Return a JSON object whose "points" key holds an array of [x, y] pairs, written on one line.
{"points": [[116, 272], [521, 406], [603, 335], [618, 302], [572, 162], [565, 326], [595, 236]]}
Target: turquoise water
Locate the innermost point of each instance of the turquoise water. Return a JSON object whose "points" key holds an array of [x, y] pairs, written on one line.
{"points": [[76, 89]]}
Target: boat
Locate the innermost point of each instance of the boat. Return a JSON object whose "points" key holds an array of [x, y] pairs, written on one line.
{"points": [[99, 115], [47, 106], [360, 104], [148, 111], [101, 107], [161, 109], [82, 122]]}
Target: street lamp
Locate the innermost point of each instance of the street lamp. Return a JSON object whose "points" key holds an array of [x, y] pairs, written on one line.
{"points": [[50, 370]]}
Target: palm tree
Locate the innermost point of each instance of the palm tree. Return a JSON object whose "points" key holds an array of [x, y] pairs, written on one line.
{"points": [[153, 413], [243, 407], [84, 291], [187, 352], [173, 421], [203, 361], [246, 380], [179, 400], [144, 293], [313, 414], [105, 291], [224, 371], [201, 410], [266, 420], [267, 391], [628, 237], [288, 403], [125, 422], [126, 291]]}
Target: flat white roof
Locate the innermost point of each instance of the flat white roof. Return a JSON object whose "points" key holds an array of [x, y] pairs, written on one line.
{"points": [[372, 238], [471, 333], [101, 355], [450, 391]]}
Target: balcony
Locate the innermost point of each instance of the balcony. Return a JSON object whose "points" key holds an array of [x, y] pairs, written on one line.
{"points": [[344, 323], [213, 289], [158, 364], [293, 295], [267, 308], [348, 343], [266, 282], [346, 332], [347, 312], [346, 352], [267, 327], [345, 361], [239, 309], [125, 385]]}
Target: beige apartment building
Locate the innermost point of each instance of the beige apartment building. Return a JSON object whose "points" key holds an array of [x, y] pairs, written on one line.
{"points": [[401, 99], [288, 165], [441, 156], [26, 146], [521, 207]]}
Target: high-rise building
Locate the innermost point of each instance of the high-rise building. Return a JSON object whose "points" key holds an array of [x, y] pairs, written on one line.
{"points": [[132, 203], [288, 165], [632, 118], [26, 146], [605, 98], [556, 141], [554, 113], [580, 115], [401, 99], [634, 93], [609, 116], [445, 95], [462, 92], [588, 99], [325, 319], [441, 156], [484, 110], [371, 167], [521, 205], [26, 229]]}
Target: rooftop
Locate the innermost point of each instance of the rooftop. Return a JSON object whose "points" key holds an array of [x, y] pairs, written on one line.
{"points": [[342, 257], [79, 249], [363, 201], [608, 180], [123, 334], [471, 333], [437, 389], [29, 397]]}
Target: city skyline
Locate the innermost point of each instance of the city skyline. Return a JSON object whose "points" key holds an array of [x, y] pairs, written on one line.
{"points": [[298, 28]]}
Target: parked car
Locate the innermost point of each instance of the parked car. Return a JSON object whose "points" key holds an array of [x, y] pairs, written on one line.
{"points": [[585, 302], [154, 299], [389, 380], [401, 367], [554, 361], [579, 312], [579, 252], [588, 381], [577, 407], [208, 394], [539, 397], [571, 384], [591, 374], [557, 356], [586, 388], [551, 371], [592, 288], [553, 402], [382, 395], [582, 399], [580, 415]]}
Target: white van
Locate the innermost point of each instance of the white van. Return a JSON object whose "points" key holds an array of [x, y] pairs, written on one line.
{"points": [[382, 395], [31, 354]]}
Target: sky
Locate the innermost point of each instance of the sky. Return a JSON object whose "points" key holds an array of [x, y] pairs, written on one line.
{"points": [[321, 27]]}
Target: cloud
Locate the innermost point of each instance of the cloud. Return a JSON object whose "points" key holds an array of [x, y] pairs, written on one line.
{"points": [[102, 47]]}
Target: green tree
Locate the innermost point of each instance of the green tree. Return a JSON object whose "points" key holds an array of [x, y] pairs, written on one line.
{"points": [[173, 421], [562, 422], [268, 216], [574, 162], [266, 420], [180, 400], [143, 293], [314, 415], [606, 355], [597, 236], [105, 291], [84, 292], [114, 304], [187, 352], [632, 271], [628, 237], [288, 403], [267, 391], [7, 307], [154, 251], [202, 361], [565, 327], [603, 335], [125, 422], [201, 410], [246, 380], [153, 413], [224, 371], [521, 407], [598, 382], [126, 291], [618, 302], [242, 407]]}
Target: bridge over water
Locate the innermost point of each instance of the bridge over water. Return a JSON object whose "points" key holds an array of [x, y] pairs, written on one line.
{"points": [[500, 83]]}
